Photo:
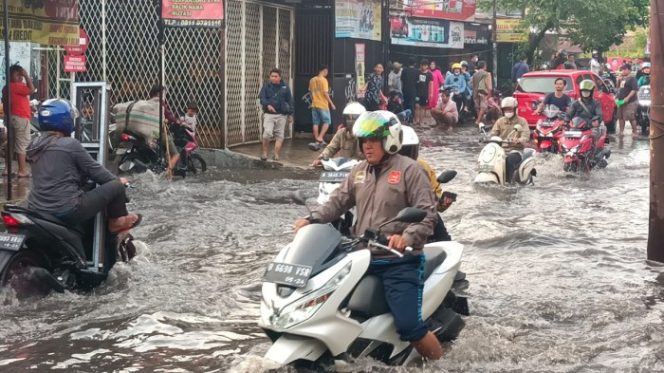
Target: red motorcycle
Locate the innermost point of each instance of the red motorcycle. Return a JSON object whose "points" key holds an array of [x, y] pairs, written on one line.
{"points": [[549, 131], [579, 152]]}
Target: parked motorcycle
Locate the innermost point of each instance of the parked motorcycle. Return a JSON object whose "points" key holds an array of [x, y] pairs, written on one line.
{"points": [[492, 168], [318, 303], [643, 110], [549, 131], [579, 153], [40, 253]]}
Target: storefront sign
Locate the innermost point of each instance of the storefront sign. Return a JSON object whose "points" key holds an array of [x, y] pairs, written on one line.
{"points": [[81, 47], [359, 68], [192, 13], [510, 31], [476, 35], [427, 32], [75, 64], [360, 19], [53, 22], [455, 10]]}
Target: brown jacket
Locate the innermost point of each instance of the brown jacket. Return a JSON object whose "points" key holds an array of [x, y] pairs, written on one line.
{"points": [[343, 145], [504, 128], [380, 192]]}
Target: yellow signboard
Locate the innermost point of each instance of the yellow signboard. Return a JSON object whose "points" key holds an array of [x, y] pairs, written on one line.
{"points": [[53, 22], [510, 31]]}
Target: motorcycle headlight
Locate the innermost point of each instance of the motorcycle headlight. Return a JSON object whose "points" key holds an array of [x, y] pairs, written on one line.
{"points": [[305, 307], [645, 102]]}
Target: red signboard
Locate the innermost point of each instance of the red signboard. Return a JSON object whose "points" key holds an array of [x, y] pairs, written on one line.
{"points": [[75, 64], [200, 13], [83, 42], [455, 10]]}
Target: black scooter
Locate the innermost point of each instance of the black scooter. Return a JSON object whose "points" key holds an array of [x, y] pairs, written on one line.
{"points": [[40, 253], [643, 109]]}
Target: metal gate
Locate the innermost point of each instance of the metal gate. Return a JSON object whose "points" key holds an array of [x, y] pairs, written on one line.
{"points": [[200, 63], [249, 58]]}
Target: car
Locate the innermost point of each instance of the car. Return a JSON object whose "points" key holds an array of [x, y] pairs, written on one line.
{"points": [[533, 86]]}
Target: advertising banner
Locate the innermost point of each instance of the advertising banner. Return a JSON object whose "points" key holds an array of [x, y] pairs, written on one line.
{"points": [[360, 68], [53, 22], [192, 13], [75, 64], [435, 33], [476, 35], [510, 31], [359, 19], [455, 10]]}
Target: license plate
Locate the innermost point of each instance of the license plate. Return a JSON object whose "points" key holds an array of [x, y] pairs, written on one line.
{"points": [[287, 274], [485, 168], [333, 176], [12, 242], [573, 134]]}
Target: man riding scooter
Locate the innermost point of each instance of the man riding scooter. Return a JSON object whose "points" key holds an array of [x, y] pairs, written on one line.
{"points": [[515, 133], [380, 187], [343, 143], [60, 163], [589, 109]]}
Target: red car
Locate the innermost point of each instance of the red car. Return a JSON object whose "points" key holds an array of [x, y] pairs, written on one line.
{"points": [[533, 86]]}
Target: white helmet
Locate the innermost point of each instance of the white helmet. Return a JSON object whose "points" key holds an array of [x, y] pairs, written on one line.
{"points": [[380, 124], [354, 108], [509, 102], [410, 146]]}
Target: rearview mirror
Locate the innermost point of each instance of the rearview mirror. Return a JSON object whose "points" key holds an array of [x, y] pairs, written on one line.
{"points": [[411, 215], [446, 176]]}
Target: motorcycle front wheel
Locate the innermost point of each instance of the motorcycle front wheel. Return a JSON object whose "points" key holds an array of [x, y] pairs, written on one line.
{"points": [[196, 164]]}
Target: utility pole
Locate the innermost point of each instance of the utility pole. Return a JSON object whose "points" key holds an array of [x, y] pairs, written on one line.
{"points": [[9, 149], [656, 231], [495, 48]]}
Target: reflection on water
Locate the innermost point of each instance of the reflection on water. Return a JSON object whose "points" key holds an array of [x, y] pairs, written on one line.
{"points": [[558, 277]]}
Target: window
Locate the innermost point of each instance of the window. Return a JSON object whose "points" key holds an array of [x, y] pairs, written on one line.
{"points": [[542, 84]]}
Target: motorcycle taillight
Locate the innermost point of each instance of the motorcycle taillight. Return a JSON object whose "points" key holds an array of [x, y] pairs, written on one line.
{"points": [[15, 220], [125, 137]]}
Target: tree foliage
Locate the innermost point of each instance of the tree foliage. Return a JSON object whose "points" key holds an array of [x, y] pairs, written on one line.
{"points": [[592, 24]]}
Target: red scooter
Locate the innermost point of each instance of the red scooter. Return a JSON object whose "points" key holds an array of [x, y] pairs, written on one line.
{"points": [[549, 131], [577, 146]]}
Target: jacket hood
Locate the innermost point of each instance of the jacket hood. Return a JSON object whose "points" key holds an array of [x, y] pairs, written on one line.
{"points": [[39, 145]]}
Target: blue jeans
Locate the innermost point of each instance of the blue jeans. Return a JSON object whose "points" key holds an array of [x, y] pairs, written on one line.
{"points": [[403, 281], [320, 116]]}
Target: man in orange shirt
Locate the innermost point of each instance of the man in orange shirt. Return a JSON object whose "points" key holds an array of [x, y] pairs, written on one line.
{"points": [[321, 102], [20, 114]]}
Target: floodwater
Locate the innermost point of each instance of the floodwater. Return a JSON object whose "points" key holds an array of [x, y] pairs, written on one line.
{"points": [[558, 276]]}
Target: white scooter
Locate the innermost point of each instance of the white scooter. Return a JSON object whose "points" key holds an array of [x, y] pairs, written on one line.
{"points": [[318, 305], [492, 168], [335, 172]]}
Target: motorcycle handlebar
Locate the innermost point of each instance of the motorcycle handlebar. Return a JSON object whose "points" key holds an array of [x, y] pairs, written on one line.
{"points": [[391, 250]]}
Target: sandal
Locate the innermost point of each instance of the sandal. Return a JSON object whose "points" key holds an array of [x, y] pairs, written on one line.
{"points": [[126, 227]]}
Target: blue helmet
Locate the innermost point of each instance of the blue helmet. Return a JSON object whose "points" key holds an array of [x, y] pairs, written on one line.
{"points": [[57, 115]]}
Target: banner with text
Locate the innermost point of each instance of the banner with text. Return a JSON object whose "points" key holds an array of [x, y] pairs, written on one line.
{"points": [[53, 22], [359, 19], [192, 13], [359, 68], [510, 31], [435, 33], [455, 10]]}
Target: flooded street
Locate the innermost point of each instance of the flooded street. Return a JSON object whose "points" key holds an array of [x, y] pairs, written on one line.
{"points": [[558, 277]]}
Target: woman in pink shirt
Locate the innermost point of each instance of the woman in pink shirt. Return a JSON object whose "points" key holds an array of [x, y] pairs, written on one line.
{"points": [[438, 81]]}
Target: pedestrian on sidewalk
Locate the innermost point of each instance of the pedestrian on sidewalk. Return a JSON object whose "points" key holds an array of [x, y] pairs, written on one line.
{"points": [[445, 113], [394, 79], [20, 114], [626, 100], [520, 67], [424, 87], [374, 97], [409, 77], [277, 102], [482, 85], [321, 103]]}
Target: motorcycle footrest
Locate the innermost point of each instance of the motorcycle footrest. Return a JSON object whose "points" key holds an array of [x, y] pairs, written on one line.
{"points": [[446, 324]]}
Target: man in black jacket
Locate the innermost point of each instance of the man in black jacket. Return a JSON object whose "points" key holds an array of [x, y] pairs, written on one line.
{"points": [[277, 102]]}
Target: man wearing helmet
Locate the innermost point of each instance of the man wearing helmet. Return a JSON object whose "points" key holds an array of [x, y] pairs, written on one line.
{"points": [[344, 144], [381, 186], [514, 130], [588, 108], [59, 164], [644, 79]]}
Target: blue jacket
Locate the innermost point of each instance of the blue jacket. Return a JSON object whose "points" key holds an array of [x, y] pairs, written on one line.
{"points": [[277, 95], [457, 83], [518, 70]]}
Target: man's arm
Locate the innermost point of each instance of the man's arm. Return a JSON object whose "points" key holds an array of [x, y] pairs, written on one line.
{"points": [[333, 147], [489, 84], [326, 91], [495, 130], [341, 200], [263, 96], [421, 196], [633, 92], [88, 166], [524, 134]]}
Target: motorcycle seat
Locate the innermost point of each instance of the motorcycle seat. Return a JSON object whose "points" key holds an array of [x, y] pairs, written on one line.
{"points": [[368, 299]]}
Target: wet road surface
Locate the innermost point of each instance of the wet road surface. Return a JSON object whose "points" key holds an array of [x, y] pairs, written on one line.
{"points": [[558, 277]]}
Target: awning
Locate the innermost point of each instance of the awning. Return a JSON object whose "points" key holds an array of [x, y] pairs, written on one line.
{"points": [[53, 22]]}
